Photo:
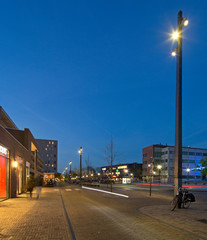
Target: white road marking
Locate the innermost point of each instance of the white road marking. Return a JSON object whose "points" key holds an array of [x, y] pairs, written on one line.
{"points": [[98, 190], [68, 189], [77, 189], [56, 190]]}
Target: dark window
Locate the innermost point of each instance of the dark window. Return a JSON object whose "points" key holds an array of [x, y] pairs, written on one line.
{"points": [[198, 154], [55, 155], [185, 153], [205, 154], [144, 155], [172, 152], [192, 153]]}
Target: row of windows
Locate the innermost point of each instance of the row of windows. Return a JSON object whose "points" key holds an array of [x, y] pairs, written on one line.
{"points": [[184, 161], [158, 154], [52, 165], [188, 153]]}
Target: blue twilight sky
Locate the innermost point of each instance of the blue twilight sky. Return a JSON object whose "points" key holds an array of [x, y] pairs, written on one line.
{"points": [[79, 71]]}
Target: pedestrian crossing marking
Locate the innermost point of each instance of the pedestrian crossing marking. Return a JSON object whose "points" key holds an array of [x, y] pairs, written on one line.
{"points": [[68, 189], [56, 190]]}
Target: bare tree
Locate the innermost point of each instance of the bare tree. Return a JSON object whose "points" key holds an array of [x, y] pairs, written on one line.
{"points": [[110, 156]]}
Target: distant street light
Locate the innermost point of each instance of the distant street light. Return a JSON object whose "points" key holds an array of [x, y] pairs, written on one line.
{"points": [[188, 171], [151, 171], [177, 35], [70, 163], [80, 152]]}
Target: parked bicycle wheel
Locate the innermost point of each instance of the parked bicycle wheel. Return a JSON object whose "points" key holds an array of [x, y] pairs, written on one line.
{"points": [[186, 203], [174, 203]]}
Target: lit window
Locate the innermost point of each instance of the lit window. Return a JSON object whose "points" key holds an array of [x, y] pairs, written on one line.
{"points": [[52, 165], [49, 142], [46, 149], [49, 165], [52, 142]]}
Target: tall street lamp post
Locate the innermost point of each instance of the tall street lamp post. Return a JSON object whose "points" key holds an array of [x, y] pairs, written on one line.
{"points": [[70, 163], [159, 167], [188, 171], [80, 152], [182, 21], [150, 165]]}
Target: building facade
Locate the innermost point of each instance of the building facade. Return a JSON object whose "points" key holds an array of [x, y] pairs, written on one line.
{"points": [[19, 157], [48, 152], [132, 170], [163, 155]]}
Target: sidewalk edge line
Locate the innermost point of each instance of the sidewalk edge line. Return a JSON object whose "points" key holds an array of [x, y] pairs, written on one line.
{"points": [[67, 219]]}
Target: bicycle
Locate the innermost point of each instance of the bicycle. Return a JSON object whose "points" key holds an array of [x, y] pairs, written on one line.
{"points": [[182, 199]]}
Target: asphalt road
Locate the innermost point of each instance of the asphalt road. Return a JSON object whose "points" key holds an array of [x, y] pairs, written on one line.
{"points": [[96, 215]]}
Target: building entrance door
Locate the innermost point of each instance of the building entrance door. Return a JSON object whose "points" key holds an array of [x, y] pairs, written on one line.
{"points": [[2, 177]]}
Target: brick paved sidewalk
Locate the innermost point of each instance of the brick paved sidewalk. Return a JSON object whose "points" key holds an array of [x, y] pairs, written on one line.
{"points": [[25, 218], [193, 219]]}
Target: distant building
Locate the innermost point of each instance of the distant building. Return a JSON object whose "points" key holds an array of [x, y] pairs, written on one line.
{"points": [[48, 152], [122, 170], [19, 158], [164, 156]]}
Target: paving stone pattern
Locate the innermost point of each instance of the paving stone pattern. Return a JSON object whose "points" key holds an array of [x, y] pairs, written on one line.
{"points": [[25, 218]]}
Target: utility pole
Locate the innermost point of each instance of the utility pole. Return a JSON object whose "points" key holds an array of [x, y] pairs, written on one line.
{"points": [[178, 114], [182, 21]]}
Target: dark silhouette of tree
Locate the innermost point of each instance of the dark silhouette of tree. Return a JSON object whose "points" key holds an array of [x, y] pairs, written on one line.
{"points": [[110, 157]]}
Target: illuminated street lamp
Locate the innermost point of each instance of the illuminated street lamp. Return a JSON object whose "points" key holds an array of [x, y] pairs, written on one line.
{"points": [[177, 35], [188, 171], [150, 165], [159, 167], [70, 163], [174, 52], [80, 152]]}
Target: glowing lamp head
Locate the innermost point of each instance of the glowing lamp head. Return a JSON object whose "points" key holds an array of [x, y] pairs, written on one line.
{"points": [[173, 53], [175, 35], [15, 164], [159, 167], [80, 151], [185, 21], [188, 170]]}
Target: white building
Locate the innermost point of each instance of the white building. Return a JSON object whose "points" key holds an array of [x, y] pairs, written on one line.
{"points": [[191, 158]]}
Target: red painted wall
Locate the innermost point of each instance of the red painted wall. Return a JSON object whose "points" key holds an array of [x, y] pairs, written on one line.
{"points": [[2, 177]]}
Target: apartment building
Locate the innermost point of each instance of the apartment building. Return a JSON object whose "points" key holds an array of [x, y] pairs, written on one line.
{"points": [[48, 150]]}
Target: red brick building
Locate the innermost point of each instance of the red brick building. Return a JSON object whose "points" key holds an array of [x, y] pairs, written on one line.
{"points": [[151, 155], [18, 157]]}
